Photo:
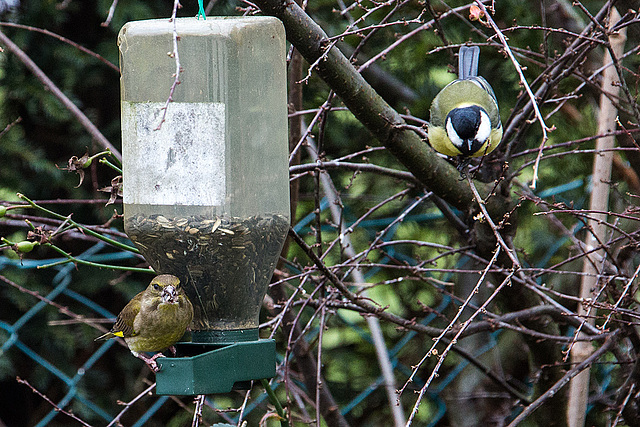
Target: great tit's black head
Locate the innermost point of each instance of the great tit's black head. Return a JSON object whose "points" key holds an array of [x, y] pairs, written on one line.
{"points": [[468, 128]]}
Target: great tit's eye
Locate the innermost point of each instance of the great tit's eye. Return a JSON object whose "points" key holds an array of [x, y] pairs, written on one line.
{"points": [[156, 286]]}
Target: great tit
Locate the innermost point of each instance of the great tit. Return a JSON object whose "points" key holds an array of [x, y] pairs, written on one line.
{"points": [[464, 117]]}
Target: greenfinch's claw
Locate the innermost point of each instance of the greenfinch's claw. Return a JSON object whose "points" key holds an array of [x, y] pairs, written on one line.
{"points": [[150, 361]]}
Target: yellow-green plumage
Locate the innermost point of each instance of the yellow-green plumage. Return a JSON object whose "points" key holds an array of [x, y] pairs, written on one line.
{"points": [[464, 116], [456, 94], [156, 318]]}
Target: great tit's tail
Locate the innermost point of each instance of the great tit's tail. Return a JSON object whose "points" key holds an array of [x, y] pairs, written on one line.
{"points": [[468, 57]]}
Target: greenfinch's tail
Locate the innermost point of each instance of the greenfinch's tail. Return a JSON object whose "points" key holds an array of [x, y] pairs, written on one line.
{"points": [[105, 337]]}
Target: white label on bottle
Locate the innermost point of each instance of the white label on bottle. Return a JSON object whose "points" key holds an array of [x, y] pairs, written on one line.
{"points": [[183, 162]]}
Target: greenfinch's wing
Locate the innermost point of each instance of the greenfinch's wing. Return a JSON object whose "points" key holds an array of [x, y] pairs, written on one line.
{"points": [[124, 323], [123, 327]]}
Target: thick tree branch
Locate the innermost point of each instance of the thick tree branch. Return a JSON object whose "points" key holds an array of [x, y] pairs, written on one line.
{"points": [[369, 107]]}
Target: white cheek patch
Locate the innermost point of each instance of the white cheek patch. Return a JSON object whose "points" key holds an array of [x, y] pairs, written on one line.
{"points": [[453, 135], [484, 130]]}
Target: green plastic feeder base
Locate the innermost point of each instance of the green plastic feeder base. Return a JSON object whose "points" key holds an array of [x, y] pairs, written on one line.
{"points": [[216, 368]]}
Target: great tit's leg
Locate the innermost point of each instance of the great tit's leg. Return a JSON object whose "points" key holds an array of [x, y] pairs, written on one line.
{"points": [[173, 350], [463, 164]]}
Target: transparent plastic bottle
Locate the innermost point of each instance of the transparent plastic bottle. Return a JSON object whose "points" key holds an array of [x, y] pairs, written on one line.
{"points": [[206, 194]]}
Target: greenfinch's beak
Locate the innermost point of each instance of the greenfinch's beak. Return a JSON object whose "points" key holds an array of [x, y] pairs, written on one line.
{"points": [[169, 295]]}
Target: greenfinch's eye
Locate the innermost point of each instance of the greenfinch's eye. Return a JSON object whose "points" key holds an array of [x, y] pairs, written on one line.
{"points": [[156, 286]]}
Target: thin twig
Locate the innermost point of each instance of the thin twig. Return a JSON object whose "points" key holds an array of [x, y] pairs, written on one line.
{"points": [[624, 404], [64, 40], [319, 379], [8, 127], [526, 86], [76, 260], [56, 407], [432, 351], [49, 85], [346, 246], [245, 401], [83, 228], [564, 380], [197, 413], [112, 10], [510, 252], [445, 352], [622, 296], [128, 405], [174, 54], [356, 167], [62, 309], [424, 27]]}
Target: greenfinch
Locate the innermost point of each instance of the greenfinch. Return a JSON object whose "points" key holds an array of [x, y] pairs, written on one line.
{"points": [[153, 320]]}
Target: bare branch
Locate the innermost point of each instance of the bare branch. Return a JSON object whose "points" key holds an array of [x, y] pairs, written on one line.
{"points": [[49, 85]]}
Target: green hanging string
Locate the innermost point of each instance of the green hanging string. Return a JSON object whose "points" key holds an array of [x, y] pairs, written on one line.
{"points": [[201, 11]]}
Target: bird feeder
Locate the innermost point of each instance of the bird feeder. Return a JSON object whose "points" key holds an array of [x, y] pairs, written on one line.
{"points": [[206, 183]]}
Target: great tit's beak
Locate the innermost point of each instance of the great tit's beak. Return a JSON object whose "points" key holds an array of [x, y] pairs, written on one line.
{"points": [[169, 295]]}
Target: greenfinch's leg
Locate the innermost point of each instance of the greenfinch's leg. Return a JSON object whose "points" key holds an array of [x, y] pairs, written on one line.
{"points": [[150, 361]]}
